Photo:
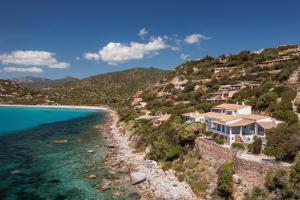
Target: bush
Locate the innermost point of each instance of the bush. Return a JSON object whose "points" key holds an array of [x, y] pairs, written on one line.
{"points": [[219, 140], [256, 146], [225, 181], [173, 152], [208, 133], [238, 146]]}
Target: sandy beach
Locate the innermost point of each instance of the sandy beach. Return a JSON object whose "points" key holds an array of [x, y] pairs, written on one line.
{"points": [[158, 184]]}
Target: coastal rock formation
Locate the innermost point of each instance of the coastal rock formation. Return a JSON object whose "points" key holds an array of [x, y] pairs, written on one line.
{"points": [[137, 177], [59, 141], [159, 184]]}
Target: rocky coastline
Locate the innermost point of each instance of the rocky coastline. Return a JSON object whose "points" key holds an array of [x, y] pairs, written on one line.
{"points": [[147, 176]]}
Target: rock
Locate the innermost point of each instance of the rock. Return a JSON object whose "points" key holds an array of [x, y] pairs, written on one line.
{"points": [[137, 177], [90, 151], [59, 141], [16, 172], [105, 185], [116, 194], [92, 176], [111, 146], [236, 179]]}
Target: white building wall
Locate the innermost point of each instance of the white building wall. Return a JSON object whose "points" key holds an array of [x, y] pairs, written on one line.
{"points": [[244, 111]]}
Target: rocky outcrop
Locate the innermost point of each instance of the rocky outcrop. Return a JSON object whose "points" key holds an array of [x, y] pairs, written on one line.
{"points": [[137, 177]]}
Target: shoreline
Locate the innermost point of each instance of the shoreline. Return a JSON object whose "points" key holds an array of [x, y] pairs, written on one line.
{"points": [[158, 184], [103, 108]]}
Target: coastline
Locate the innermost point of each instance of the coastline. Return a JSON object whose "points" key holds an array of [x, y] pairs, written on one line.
{"points": [[120, 156], [158, 184]]}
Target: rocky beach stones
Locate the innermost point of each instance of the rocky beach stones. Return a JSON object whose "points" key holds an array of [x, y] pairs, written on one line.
{"points": [[137, 177]]}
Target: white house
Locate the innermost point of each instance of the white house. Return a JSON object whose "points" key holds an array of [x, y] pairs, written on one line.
{"points": [[234, 122]]}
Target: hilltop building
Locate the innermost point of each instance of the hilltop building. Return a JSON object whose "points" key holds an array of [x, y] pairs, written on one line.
{"points": [[234, 122]]}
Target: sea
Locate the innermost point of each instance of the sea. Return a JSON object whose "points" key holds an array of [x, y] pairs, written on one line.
{"points": [[33, 167]]}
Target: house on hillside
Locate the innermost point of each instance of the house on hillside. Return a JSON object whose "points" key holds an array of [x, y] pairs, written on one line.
{"points": [[234, 122], [291, 51]]}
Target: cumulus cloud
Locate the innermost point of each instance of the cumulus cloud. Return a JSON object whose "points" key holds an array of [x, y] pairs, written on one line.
{"points": [[184, 56], [23, 69], [115, 53], [143, 32], [41, 58], [195, 38]]}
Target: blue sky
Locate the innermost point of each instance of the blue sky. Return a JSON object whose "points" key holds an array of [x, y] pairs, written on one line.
{"points": [[81, 38]]}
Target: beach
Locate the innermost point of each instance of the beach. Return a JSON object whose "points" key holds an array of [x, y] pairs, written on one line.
{"points": [[158, 184]]}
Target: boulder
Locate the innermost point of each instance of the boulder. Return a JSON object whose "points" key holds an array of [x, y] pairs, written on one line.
{"points": [[92, 176], [59, 141], [105, 185], [236, 179], [90, 151], [137, 177]]}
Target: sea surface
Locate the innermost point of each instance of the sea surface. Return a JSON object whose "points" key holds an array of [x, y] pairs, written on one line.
{"points": [[33, 167]]}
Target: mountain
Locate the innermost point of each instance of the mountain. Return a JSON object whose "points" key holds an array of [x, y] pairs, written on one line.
{"points": [[39, 82]]}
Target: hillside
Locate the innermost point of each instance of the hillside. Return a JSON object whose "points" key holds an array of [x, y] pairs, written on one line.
{"points": [[106, 88], [38, 82], [14, 93]]}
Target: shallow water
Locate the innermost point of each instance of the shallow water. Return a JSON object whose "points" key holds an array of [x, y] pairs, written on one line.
{"points": [[32, 167]]}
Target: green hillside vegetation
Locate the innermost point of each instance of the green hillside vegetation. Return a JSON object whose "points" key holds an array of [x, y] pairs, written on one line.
{"points": [[109, 89]]}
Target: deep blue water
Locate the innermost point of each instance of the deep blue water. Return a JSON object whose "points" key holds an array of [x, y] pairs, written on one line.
{"points": [[32, 167], [20, 118]]}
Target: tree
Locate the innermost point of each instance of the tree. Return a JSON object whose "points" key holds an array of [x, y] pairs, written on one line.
{"points": [[225, 181], [283, 142], [255, 147]]}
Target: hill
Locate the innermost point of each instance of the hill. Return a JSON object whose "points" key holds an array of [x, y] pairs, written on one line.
{"points": [[106, 88], [39, 82]]}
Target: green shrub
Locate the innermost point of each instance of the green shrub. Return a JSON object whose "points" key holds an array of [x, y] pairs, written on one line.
{"points": [[173, 152], [219, 140], [208, 133], [238, 146], [225, 181], [256, 146]]}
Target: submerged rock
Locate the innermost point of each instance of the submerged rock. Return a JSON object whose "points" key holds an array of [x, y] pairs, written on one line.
{"points": [[59, 141], [105, 185], [116, 194], [16, 172], [137, 177], [90, 151], [92, 176]]}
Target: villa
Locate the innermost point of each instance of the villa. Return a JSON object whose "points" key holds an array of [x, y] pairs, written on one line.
{"points": [[234, 122]]}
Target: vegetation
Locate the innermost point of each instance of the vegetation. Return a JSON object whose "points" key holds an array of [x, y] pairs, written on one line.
{"points": [[238, 146], [256, 146], [284, 185], [225, 181]]}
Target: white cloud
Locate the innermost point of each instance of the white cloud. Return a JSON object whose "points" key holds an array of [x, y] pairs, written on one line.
{"points": [[142, 32], [114, 53], [195, 38], [23, 69], [41, 58], [184, 56], [91, 56]]}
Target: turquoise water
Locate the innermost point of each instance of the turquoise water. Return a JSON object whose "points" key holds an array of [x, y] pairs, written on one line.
{"points": [[33, 168], [20, 118]]}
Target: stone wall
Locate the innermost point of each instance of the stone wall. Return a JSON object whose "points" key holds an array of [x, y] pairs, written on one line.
{"points": [[213, 152], [250, 173]]}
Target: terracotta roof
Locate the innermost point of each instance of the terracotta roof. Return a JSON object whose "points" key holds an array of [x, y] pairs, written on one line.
{"points": [[267, 125], [254, 117], [242, 122], [230, 106]]}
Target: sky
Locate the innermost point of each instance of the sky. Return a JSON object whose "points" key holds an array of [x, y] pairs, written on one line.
{"points": [[58, 38]]}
